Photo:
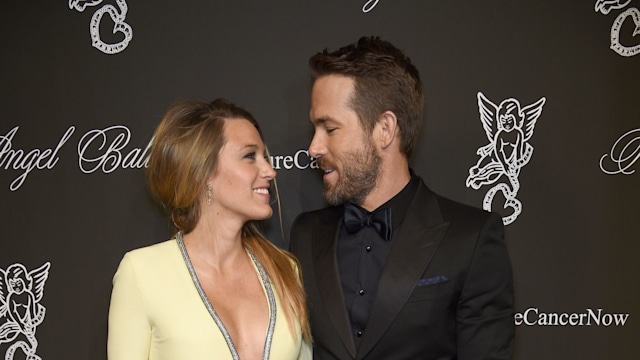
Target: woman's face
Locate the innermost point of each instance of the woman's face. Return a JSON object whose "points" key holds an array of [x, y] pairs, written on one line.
{"points": [[241, 183]]}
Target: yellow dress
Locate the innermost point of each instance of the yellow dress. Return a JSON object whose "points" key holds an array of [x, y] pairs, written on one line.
{"points": [[157, 313]]}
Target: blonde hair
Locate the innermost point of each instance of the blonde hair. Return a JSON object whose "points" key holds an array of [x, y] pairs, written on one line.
{"points": [[184, 151], [288, 282]]}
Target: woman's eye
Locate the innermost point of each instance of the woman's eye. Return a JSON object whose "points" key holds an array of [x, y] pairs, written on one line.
{"points": [[250, 155], [330, 130]]}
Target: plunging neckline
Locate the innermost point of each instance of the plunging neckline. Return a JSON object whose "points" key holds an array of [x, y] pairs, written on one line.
{"points": [[266, 284]]}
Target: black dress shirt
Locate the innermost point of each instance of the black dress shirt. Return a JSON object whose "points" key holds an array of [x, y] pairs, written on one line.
{"points": [[362, 255]]}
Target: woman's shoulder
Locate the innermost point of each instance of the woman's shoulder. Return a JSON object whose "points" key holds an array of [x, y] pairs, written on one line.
{"points": [[157, 262], [155, 253]]}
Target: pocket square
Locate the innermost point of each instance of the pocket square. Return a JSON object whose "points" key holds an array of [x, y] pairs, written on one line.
{"points": [[432, 280]]}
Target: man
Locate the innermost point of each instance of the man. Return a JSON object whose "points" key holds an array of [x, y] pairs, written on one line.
{"points": [[392, 270]]}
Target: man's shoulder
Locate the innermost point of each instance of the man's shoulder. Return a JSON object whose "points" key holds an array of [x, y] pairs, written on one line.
{"points": [[310, 223], [452, 210], [453, 207], [322, 215]]}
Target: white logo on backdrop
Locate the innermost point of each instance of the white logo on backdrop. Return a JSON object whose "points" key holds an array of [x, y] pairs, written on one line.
{"points": [[27, 161], [369, 5], [508, 128], [104, 150], [625, 153], [101, 149], [301, 160], [605, 7], [107, 147], [118, 16], [20, 308], [535, 317]]}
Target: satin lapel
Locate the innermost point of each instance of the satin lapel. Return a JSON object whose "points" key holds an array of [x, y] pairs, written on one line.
{"points": [[325, 242], [414, 246]]}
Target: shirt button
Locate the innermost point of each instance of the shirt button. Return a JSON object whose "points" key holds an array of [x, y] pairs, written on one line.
{"points": [[359, 333], [368, 248], [361, 292]]}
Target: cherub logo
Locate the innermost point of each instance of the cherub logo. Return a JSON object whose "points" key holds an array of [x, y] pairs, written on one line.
{"points": [[604, 7], [508, 128], [20, 308], [118, 17]]}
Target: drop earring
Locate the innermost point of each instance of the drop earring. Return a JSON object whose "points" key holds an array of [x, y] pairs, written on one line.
{"points": [[209, 196]]}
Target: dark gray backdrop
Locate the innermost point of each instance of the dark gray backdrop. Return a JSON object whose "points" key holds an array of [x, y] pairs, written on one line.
{"points": [[574, 247]]}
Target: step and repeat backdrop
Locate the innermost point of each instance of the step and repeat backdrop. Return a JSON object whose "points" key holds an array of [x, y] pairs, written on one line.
{"points": [[83, 83]]}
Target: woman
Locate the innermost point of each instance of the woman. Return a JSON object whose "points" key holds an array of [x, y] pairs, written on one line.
{"points": [[218, 289]]}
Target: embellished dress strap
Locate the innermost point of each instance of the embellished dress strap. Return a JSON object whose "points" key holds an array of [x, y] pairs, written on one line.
{"points": [[266, 283]]}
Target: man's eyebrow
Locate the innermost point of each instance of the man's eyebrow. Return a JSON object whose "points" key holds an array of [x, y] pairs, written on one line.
{"points": [[323, 120]]}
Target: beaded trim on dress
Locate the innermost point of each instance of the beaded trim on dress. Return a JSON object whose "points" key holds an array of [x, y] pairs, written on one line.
{"points": [[270, 299]]}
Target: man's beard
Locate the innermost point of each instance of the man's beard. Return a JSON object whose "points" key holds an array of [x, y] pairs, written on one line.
{"points": [[356, 179]]}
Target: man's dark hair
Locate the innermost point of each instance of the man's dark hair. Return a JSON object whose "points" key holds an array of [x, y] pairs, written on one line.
{"points": [[384, 80]]}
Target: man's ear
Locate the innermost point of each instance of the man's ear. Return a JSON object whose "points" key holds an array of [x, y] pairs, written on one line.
{"points": [[388, 128]]}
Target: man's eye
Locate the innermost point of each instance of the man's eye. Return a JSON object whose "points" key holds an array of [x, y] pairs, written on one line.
{"points": [[330, 130]]}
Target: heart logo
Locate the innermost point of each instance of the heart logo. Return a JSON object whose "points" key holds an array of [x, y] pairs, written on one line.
{"points": [[119, 27], [615, 33], [511, 202]]}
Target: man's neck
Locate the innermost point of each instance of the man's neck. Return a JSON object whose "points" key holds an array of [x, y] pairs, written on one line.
{"points": [[391, 181]]}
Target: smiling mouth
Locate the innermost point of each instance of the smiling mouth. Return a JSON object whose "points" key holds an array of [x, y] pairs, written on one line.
{"points": [[325, 166], [263, 191]]}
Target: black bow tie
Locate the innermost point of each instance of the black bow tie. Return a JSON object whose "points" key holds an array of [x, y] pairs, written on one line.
{"points": [[354, 220]]}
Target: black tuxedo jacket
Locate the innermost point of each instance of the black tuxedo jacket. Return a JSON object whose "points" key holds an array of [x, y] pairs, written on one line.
{"points": [[445, 292]]}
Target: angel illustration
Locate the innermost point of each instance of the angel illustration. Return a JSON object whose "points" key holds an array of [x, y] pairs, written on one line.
{"points": [[508, 128], [20, 295], [80, 5], [605, 6]]}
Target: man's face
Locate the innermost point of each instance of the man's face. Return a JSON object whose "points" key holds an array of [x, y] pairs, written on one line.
{"points": [[345, 153]]}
